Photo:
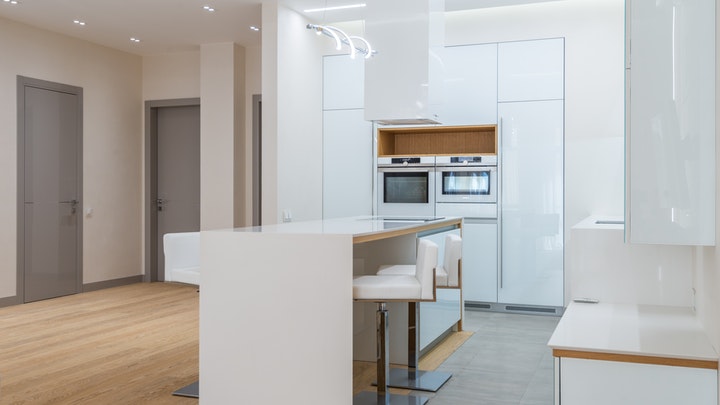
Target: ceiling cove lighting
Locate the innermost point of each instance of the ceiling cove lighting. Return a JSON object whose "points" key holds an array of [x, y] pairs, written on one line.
{"points": [[341, 38], [79, 22], [208, 9], [313, 10]]}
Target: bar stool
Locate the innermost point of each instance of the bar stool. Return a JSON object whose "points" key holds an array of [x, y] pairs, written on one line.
{"points": [[447, 276], [419, 287]]}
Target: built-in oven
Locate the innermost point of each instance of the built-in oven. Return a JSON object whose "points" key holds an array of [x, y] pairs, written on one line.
{"points": [[466, 186], [406, 186]]}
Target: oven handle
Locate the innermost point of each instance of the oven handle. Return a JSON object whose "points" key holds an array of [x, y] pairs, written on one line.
{"points": [[401, 170]]}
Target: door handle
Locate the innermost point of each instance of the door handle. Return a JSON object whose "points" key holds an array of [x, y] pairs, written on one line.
{"points": [[160, 202], [74, 205]]}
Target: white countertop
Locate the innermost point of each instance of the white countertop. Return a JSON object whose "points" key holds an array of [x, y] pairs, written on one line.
{"points": [[646, 330], [355, 226]]}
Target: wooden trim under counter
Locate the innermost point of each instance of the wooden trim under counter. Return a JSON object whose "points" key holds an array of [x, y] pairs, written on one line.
{"points": [[634, 358], [438, 140], [369, 237]]}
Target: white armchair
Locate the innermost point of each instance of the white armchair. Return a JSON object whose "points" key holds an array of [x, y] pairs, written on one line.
{"points": [[182, 257]]}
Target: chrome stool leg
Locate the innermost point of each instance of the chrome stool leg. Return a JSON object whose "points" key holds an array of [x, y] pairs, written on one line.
{"points": [[412, 378], [383, 396]]}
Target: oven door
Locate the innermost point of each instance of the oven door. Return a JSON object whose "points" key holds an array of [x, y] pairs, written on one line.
{"points": [[465, 184], [406, 191]]}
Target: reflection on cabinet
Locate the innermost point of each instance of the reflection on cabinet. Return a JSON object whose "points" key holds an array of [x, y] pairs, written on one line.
{"points": [[470, 84], [480, 260], [670, 110], [531, 203], [531, 70]]}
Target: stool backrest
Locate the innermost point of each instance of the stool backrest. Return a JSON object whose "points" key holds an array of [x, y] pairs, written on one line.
{"points": [[427, 256], [451, 261]]}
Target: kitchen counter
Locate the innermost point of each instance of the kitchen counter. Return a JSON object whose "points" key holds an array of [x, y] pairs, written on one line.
{"points": [[629, 330], [626, 353], [276, 310]]}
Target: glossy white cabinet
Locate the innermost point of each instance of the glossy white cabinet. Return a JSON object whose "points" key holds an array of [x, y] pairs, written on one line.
{"points": [[531, 70], [480, 265], [670, 110], [470, 75], [343, 80], [531, 201], [347, 164]]}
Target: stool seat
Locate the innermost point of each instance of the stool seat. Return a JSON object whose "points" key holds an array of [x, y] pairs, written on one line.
{"points": [[402, 287], [441, 276]]}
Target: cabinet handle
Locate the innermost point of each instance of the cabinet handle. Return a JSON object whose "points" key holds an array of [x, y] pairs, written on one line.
{"points": [[499, 204]]}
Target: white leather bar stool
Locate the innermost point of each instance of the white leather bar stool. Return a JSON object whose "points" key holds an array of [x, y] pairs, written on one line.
{"points": [[419, 287], [447, 276]]}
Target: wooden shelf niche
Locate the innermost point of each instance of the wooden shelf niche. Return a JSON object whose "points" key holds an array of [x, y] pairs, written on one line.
{"points": [[451, 140]]}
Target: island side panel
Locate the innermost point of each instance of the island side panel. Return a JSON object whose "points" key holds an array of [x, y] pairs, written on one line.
{"points": [[275, 318]]}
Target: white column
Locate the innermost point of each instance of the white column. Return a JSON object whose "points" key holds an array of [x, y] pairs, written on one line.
{"points": [[222, 107]]}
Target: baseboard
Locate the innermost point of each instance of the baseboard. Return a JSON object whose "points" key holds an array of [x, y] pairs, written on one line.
{"points": [[514, 308], [112, 283], [9, 301]]}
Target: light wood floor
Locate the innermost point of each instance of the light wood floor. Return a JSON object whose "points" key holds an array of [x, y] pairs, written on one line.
{"points": [[127, 345]]}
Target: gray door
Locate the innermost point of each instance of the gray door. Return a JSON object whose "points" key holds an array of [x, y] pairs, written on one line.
{"points": [[51, 211], [178, 202]]}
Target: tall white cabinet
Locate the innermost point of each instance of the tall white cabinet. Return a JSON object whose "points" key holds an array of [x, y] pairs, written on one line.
{"points": [[670, 116], [347, 140], [531, 120]]}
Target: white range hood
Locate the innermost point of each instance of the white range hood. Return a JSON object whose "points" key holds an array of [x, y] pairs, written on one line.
{"points": [[403, 81]]}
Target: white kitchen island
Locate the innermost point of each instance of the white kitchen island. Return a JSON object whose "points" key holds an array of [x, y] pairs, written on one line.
{"points": [[276, 305]]}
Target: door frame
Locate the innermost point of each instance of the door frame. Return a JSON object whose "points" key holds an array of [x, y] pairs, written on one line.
{"points": [[22, 83], [151, 179]]}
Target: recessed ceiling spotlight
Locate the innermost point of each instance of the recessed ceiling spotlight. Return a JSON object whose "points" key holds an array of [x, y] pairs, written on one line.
{"points": [[11, 1], [136, 40], [254, 28], [312, 10], [208, 9], [79, 22]]}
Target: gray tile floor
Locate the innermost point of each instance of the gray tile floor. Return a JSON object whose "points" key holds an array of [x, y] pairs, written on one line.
{"points": [[506, 361]]}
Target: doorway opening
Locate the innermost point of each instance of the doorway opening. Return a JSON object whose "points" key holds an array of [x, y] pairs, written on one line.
{"points": [[172, 176]]}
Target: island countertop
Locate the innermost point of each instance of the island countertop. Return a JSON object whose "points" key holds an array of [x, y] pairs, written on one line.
{"points": [[362, 228]]}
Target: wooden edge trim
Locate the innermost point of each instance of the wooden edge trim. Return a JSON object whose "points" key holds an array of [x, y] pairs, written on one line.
{"points": [[406, 231], [634, 358]]}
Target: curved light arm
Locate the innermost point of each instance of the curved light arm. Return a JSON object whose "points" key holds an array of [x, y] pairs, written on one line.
{"points": [[347, 38], [368, 48]]}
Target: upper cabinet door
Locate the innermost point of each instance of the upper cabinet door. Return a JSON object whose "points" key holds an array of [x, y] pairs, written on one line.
{"points": [[343, 80], [531, 70], [470, 74], [670, 111]]}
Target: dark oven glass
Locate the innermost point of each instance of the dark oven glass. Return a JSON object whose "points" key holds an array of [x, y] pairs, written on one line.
{"points": [[466, 183], [409, 187]]}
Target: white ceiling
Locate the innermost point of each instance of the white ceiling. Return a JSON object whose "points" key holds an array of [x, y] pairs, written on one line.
{"points": [[177, 25]]}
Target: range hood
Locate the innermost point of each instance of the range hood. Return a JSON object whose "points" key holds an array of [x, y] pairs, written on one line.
{"points": [[403, 81]]}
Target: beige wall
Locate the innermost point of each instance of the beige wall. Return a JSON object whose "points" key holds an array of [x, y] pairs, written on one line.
{"points": [[112, 85], [171, 76]]}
